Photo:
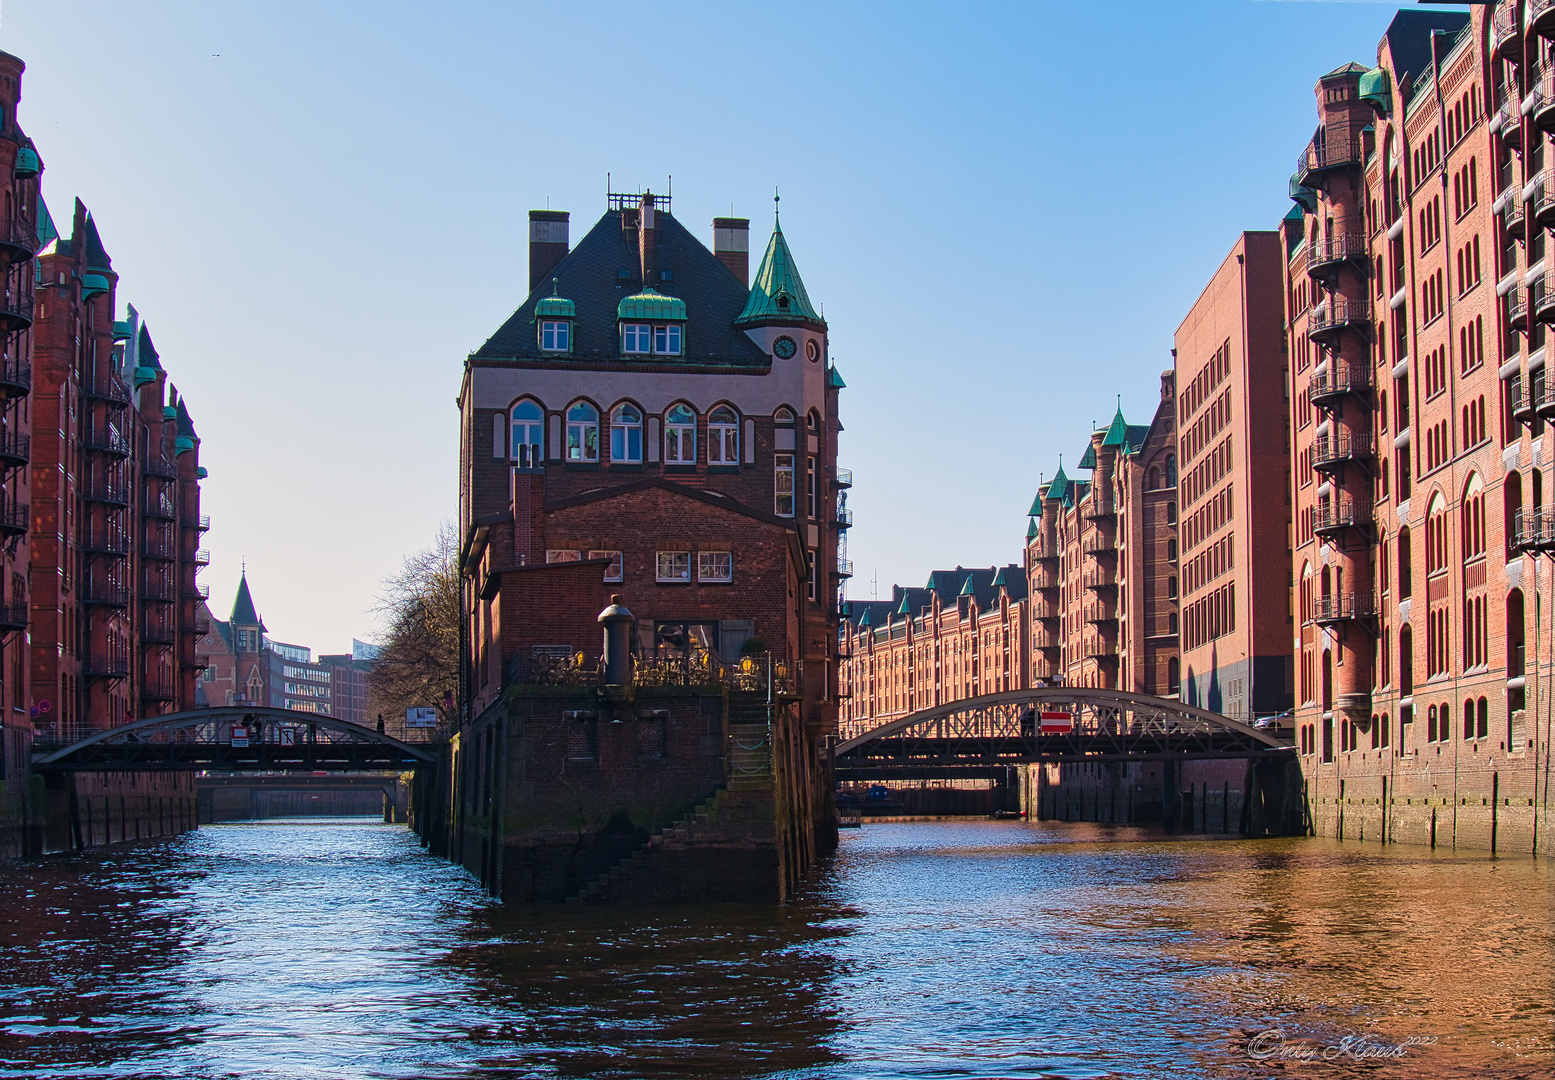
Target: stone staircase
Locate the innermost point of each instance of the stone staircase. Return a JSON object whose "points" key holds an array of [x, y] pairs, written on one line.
{"points": [[599, 889], [750, 745]]}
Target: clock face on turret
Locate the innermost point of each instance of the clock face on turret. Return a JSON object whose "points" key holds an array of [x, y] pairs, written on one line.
{"points": [[784, 347]]}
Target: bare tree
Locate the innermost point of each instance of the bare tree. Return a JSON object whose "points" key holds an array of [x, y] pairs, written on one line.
{"points": [[418, 662]]}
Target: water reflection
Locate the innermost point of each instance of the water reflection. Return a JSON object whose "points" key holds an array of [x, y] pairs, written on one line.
{"points": [[336, 948]]}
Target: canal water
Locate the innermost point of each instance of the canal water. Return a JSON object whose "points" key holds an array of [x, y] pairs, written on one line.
{"points": [[335, 948]]}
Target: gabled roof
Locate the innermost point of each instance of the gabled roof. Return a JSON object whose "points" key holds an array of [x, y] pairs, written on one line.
{"points": [[1408, 38], [778, 295], [1134, 437], [701, 495], [590, 275]]}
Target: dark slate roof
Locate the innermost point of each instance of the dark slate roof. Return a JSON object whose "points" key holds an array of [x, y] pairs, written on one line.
{"points": [[1136, 436], [868, 613], [1408, 38], [185, 424], [47, 231], [911, 601], [243, 605], [589, 277], [145, 352]]}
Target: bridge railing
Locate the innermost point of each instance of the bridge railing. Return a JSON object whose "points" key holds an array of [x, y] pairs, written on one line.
{"points": [[701, 668]]}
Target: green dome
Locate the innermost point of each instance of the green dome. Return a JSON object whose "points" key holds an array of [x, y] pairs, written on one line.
{"points": [[122, 331], [555, 306], [27, 164], [652, 306], [1374, 90], [93, 285]]}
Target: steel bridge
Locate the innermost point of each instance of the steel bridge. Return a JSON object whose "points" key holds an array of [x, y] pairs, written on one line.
{"points": [[982, 737], [236, 738]]}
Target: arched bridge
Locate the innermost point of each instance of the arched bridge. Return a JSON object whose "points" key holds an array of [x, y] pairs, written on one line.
{"points": [[246, 738], [984, 736]]}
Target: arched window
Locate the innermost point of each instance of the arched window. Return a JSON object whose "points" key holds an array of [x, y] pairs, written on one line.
{"points": [[680, 436], [723, 437], [1171, 587], [528, 438], [1512, 499], [1171, 513], [1406, 577], [1173, 676], [626, 435], [784, 415], [1436, 537], [1431, 725], [1171, 622], [1471, 522], [583, 432], [1171, 550]]}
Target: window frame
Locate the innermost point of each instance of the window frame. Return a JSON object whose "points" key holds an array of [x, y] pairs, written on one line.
{"points": [[783, 465], [638, 334], [676, 434], [526, 460], [676, 577], [622, 434], [578, 431], [554, 329], [723, 436], [615, 571], [712, 558]]}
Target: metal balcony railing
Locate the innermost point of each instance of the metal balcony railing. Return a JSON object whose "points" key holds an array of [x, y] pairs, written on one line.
{"points": [[161, 592], [16, 310], [160, 507], [107, 387], [109, 544], [1533, 530], [1339, 380], [15, 378], [1337, 314], [1326, 256], [160, 468], [158, 635], [1333, 451], [844, 569], [843, 478], [1349, 607], [1335, 148], [1541, 17], [202, 557], [15, 449], [1101, 578], [107, 442], [13, 616], [843, 518], [20, 235], [14, 520], [156, 690], [113, 493], [203, 592], [107, 666], [104, 593], [1327, 520]]}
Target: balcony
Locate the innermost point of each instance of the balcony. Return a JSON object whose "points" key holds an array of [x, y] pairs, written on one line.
{"points": [[107, 666], [1046, 609], [108, 388], [1541, 299], [13, 617], [1541, 17], [1099, 649], [842, 518], [1525, 409], [1334, 148], [842, 478], [200, 627], [201, 523], [160, 507], [100, 592], [1330, 521], [158, 592], [166, 470], [115, 544], [844, 570], [1514, 215], [15, 450], [107, 442], [1101, 611], [1340, 380], [1336, 315], [1504, 38], [159, 549], [13, 521], [1046, 578], [202, 557], [156, 691], [1517, 309], [1326, 257], [1350, 607], [1544, 404], [158, 635], [109, 492], [1100, 546], [15, 311], [1534, 531], [1331, 454], [19, 239], [15, 378], [1100, 578], [1046, 639], [1544, 201], [1510, 116]]}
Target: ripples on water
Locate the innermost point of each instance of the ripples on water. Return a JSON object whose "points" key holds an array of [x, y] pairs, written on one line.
{"points": [[335, 948]]}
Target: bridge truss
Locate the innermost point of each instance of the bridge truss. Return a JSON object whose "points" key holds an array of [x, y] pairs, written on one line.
{"points": [[984, 736], [246, 738]]}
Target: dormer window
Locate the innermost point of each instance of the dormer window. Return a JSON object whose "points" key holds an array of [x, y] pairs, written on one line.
{"points": [[636, 338], [666, 340], [555, 335]]}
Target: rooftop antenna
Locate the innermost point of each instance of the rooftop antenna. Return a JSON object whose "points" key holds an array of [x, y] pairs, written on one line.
{"points": [[671, 194], [776, 198], [874, 585]]}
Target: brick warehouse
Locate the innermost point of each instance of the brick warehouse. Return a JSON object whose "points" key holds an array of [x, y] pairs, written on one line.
{"points": [[1417, 308], [101, 516], [648, 425]]}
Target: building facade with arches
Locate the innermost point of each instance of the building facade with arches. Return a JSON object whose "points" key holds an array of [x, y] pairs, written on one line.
{"points": [[1417, 308]]}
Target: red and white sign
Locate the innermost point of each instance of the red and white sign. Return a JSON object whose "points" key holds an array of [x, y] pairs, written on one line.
{"points": [[1057, 723], [239, 735]]}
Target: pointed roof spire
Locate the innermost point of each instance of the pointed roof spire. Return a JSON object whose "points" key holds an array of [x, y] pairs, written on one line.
{"points": [[243, 613], [1117, 431], [146, 352], [778, 296], [96, 254], [47, 232]]}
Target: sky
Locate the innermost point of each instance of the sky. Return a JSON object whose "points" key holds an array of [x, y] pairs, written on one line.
{"points": [[320, 209]]}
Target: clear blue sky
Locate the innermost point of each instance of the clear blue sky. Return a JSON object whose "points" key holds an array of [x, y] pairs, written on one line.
{"points": [[320, 209]]}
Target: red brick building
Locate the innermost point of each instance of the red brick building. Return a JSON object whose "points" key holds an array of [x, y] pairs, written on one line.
{"points": [[959, 636], [1418, 306], [115, 504], [648, 408], [1234, 494]]}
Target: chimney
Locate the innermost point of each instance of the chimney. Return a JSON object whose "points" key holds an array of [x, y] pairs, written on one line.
{"points": [[731, 243], [547, 243], [617, 621], [647, 231]]}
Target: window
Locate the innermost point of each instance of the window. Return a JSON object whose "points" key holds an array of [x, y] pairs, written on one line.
{"points": [[528, 422], [666, 340], [715, 566], [613, 571], [673, 566], [626, 435], [583, 432], [554, 555], [783, 485], [554, 336], [723, 437], [636, 338], [812, 488], [680, 436]]}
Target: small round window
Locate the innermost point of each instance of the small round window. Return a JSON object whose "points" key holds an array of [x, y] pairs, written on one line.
{"points": [[812, 350]]}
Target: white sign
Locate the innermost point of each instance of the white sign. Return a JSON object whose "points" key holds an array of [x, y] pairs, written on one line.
{"points": [[421, 718], [239, 735]]}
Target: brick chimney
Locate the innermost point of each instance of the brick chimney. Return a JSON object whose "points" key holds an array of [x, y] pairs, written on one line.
{"points": [[647, 233], [547, 243], [731, 243]]}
